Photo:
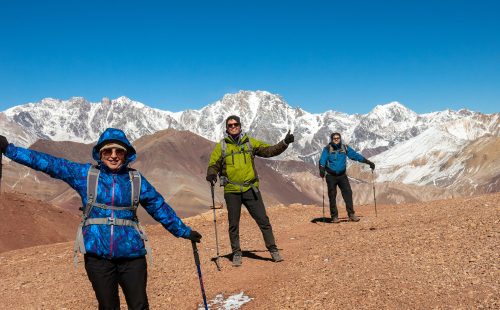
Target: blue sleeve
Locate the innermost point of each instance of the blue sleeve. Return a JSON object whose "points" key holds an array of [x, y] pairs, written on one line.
{"points": [[58, 168], [156, 206], [323, 158], [353, 155]]}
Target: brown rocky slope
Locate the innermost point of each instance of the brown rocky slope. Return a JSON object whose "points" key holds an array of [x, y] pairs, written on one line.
{"points": [[26, 222], [441, 254]]}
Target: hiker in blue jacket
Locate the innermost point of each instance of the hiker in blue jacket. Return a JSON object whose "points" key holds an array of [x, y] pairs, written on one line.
{"points": [[333, 164], [110, 237]]}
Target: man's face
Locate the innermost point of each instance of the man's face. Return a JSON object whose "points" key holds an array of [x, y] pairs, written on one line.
{"points": [[113, 158], [336, 139], [233, 127]]}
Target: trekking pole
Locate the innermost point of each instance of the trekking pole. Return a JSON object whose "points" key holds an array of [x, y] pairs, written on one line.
{"points": [[323, 190], [374, 198], [197, 262], [215, 259]]}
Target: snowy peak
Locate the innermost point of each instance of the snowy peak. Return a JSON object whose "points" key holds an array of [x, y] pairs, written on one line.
{"points": [[390, 130], [393, 111]]}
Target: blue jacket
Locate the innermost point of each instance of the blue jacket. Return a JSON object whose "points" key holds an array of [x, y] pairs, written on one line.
{"points": [[336, 161], [114, 189]]}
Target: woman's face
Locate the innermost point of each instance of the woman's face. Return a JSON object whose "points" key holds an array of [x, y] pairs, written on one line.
{"points": [[113, 158]]}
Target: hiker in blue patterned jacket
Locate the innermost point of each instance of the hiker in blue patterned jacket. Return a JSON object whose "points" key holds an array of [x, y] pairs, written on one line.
{"points": [[333, 164], [113, 243]]}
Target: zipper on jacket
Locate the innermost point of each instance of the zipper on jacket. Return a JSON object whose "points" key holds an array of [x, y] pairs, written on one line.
{"points": [[112, 216]]}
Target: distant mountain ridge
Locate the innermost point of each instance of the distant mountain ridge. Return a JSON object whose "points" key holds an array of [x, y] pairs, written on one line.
{"points": [[267, 117]]}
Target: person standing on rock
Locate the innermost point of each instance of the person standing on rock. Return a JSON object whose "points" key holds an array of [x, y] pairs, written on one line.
{"points": [[333, 164], [110, 237], [233, 160]]}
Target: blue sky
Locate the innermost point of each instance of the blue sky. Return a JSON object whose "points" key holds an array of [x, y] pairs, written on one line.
{"points": [[320, 55]]}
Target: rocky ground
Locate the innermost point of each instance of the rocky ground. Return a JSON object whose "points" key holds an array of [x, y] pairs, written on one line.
{"points": [[435, 255]]}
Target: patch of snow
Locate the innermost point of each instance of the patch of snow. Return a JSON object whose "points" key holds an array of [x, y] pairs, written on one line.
{"points": [[232, 302]]}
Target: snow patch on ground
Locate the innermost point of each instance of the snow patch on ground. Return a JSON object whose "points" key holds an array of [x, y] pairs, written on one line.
{"points": [[232, 302]]}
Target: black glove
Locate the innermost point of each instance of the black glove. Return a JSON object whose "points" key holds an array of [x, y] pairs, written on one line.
{"points": [[371, 164], [194, 236], [3, 144], [212, 178], [322, 171], [289, 138]]}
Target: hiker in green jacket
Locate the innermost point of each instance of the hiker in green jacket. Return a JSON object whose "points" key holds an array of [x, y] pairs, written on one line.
{"points": [[233, 160]]}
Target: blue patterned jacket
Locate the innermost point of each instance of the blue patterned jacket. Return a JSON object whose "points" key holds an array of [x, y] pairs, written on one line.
{"points": [[114, 189]]}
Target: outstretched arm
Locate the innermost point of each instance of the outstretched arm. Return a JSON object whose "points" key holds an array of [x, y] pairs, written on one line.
{"points": [[358, 157], [263, 149], [155, 205], [58, 168]]}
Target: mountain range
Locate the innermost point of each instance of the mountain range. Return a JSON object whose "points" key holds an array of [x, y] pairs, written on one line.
{"points": [[441, 149]]}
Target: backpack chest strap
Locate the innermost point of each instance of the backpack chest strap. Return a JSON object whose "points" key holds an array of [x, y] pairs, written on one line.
{"points": [[104, 206], [109, 221]]}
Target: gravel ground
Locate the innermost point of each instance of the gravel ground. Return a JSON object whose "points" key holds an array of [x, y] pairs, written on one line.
{"points": [[436, 255]]}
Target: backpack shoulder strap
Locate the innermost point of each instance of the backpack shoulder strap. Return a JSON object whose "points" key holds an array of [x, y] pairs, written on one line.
{"points": [[330, 148], [92, 179], [344, 148], [135, 181], [223, 147]]}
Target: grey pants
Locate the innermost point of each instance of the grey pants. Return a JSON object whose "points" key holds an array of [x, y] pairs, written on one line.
{"points": [[255, 206]]}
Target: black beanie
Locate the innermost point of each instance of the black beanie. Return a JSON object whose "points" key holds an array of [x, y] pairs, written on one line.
{"points": [[233, 117]]}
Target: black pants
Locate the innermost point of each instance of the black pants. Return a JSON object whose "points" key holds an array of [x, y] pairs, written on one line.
{"points": [[105, 276], [345, 188], [255, 206]]}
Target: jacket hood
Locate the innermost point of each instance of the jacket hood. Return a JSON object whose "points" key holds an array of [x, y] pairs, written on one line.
{"points": [[117, 136]]}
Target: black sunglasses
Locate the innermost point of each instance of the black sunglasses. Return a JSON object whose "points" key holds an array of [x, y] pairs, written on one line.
{"points": [[233, 125]]}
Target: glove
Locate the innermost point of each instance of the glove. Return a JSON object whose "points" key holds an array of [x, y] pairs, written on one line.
{"points": [[371, 164], [3, 144], [212, 178], [289, 138], [321, 171], [194, 236]]}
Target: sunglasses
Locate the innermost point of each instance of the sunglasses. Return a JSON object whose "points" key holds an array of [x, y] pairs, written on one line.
{"points": [[109, 152], [233, 125], [336, 138]]}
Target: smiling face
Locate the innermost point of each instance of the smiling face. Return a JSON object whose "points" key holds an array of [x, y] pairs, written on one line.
{"points": [[113, 157], [233, 127]]}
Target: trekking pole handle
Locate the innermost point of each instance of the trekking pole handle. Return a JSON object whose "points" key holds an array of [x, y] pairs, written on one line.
{"points": [[195, 253]]}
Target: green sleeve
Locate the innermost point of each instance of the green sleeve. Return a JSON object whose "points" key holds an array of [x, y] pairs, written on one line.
{"points": [[215, 164], [263, 149]]}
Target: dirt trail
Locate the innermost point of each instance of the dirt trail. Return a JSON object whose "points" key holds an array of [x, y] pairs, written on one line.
{"points": [[441, 254]]}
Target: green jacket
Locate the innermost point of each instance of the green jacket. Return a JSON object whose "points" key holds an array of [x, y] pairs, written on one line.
{"points": [[238, 165]]}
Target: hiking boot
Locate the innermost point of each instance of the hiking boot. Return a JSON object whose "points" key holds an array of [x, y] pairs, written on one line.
{"points": [[335, 220], [353, 218], [276, 257], [237, 259]]}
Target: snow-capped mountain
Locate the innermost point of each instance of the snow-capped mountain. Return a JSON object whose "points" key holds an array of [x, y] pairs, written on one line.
{"points": [[392, 132]]}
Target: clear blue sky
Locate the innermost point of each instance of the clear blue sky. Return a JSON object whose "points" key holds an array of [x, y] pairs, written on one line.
{"points": [[343, 55]]}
